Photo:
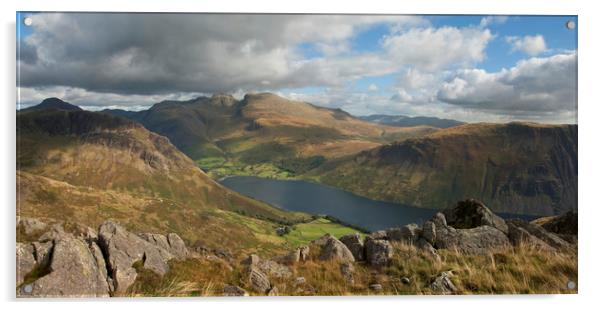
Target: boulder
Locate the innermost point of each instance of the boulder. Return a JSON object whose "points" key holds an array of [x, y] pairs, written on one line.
{"points": [[172, 243], [429, 232], [540, 233], [355, 245], [123, 249], [520, 236], [442, 284], [26, 261], [258, 280], [428, 248], [76, 270], [233, 290], [273, 291], [376, 287], [472, 213], [379, 235], [566, 224], [378, 252], [31, 226], [267, 267], [408, 233], [477, 240], [304, 253], [333, 249], [43, 251], [347, 270]]}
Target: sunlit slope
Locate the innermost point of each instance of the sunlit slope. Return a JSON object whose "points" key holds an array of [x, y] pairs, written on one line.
{"points": [[516, 167]]}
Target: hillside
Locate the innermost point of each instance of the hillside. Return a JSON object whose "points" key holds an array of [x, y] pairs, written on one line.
{"points": [[263, 133], [515, 168], [89, 167], [407, 121]]}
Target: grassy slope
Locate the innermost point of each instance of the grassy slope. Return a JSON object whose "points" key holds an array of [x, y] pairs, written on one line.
{"points": [[520, 270], [115, 169], [516, 168], [251, 137]]}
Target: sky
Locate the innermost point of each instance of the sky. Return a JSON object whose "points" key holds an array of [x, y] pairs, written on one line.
{"points": [[465, 67]]}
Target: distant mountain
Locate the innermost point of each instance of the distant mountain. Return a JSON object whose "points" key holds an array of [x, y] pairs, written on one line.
{"points": [[407, 121], [515, 168], [263, 129], [90, 167], [53, 103]]}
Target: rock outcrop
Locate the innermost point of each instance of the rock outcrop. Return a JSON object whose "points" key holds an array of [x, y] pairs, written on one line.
{"points": [[378, 252], [442, 284], [355, 244], [87, 263], [333, 249], [472, 213]]}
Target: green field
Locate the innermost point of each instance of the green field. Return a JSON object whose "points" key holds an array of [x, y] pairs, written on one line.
{"points": [[306, 232]]}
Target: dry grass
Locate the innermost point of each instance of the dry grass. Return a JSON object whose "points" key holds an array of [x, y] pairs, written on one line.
{"points": [[520, 270]]}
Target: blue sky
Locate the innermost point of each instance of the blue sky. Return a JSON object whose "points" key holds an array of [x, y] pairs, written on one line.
{"points": [[469, 67]]}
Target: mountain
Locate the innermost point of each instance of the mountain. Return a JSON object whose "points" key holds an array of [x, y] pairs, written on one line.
{"points": [[407, 121], [263, 131], [515, 168], [90, 166], [53, 103]]}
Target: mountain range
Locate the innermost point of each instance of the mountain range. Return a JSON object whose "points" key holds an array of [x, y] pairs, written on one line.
{"points": [[522, 168], [408, 121]]}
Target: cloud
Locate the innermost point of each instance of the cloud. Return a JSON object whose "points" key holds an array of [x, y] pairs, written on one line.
{"points": [[163, 53], [493, 20], [432, 49], [535, 88], [530, 45], [373, 87]]}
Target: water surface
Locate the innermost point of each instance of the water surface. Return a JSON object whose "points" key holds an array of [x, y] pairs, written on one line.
{"points": [[320, 199]]}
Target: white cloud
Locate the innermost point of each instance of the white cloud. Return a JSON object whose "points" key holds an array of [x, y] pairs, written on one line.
{"points": [[433, 49], [493, 20], [530, 45], [539, 88], [373, 87]]}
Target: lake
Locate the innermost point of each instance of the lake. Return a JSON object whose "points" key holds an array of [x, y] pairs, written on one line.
{"points": [[318, 199]]}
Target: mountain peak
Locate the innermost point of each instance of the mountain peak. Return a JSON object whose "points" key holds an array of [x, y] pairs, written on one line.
{"points": [[54, 103]]}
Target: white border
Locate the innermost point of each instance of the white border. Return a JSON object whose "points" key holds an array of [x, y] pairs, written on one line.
{"points": [[590, 133]]}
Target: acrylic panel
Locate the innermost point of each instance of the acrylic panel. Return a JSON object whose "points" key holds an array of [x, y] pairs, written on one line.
{"points": [[197, 154]]}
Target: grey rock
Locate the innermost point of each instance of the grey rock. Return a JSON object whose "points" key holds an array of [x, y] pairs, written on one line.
{"points": [[26, 261], [472, 213], [405, 280], [31, 226], [177, 246], [520, 236], [355, 245], [43, 251], [477, 240], [566, 224], [439, 220], [274, 269], [233, 290], [379, 235], [378, 252], [257, 279], [172, 243], [408, 233], [123, 249], [333, 249], [540, 233], [347, 270], [77, 270], [273, 291], [442, 284], [428, 248], [429, 232], [376, 287], [304, 253]]}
